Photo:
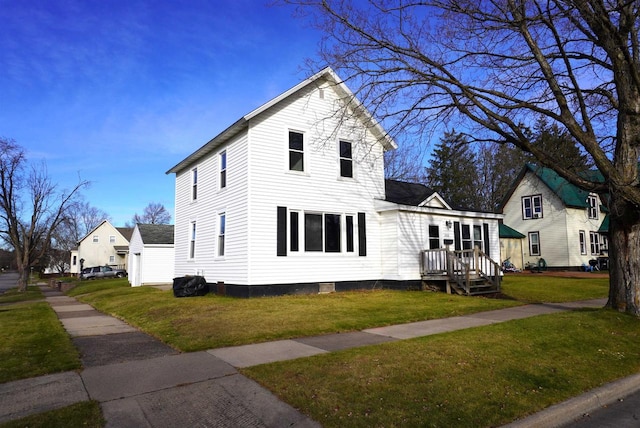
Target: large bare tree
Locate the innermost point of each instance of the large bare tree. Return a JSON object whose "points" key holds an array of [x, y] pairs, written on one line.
{"points": [[154, 213], [491, 67], [31, 208]]}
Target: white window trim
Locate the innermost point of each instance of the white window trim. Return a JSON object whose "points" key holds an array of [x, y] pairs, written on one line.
{"points": [[582, 239], [221, 170], [305, 153], [112, 239], [340, 158], [219, 234], [592, 210], [192, 239], [193, 184], [95, 239], [531, 253], [534, 214]]}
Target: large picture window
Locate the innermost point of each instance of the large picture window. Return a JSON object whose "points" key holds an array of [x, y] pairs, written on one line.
{"points": [[296, 151], [531, 207], [313, 232]]}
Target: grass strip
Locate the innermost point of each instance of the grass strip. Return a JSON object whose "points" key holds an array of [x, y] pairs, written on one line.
{"points": [[480, 377], [13, 295], [535, 289], [33, 342], [84, 414], [192, 324]]}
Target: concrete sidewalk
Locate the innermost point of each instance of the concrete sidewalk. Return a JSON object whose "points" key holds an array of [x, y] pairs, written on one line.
{"points": [[141, 382]]}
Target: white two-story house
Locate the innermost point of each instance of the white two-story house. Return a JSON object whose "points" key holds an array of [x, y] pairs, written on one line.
{"points": [[562, 224], [291, 198]]}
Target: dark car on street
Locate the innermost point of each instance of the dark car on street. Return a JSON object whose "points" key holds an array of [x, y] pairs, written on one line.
{"points": [[102, 272]]}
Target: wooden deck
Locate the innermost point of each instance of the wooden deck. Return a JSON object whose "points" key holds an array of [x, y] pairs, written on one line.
{"points": [[467, 272]]}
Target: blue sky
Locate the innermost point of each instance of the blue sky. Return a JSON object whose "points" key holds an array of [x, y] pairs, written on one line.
{"points": [[117, 92]]}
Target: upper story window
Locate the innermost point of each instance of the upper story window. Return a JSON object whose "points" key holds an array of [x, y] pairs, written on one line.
{"points": [[112, 239], [346, 159], [531, 207], [592, 201], [223, 169], [296, 151], [96, 238], [194, 184]]}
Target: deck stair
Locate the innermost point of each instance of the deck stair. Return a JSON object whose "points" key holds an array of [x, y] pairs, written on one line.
{"points": [[466, 272]]}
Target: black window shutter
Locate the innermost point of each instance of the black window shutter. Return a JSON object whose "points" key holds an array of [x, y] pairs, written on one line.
{"points": [[362, 234], [456, 236], [282, 231], [485, 232]]}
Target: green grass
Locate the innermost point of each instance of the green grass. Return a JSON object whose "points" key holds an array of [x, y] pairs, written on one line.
{"points": [[211, 321], [533, 288], [84, 414], [479, 377], [12, 295], [33, 342]]}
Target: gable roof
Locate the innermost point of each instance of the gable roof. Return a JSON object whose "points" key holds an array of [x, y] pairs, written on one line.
{"points": [[241, 124], [401, 192], [570, 195], [414, 194], [124, 231], [506, 232], [156, 233]]}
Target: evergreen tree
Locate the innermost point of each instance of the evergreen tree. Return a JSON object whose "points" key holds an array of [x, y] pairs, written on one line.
{"points": [[452, 172]]}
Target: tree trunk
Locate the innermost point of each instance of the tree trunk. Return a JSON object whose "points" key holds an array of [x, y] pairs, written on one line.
{"points": [[23, 277], [624, 257]]}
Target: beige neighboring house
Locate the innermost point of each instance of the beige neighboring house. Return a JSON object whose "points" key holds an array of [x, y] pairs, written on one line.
{"points": [[104, 245]]}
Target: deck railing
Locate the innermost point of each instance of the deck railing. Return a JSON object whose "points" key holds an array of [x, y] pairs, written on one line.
{"points": [[460, 266]]}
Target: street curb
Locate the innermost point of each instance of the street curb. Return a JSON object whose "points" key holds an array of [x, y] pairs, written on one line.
{"points": [[574, 408]]}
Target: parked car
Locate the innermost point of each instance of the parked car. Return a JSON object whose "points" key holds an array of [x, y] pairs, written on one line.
{"points": [[102, 272]]}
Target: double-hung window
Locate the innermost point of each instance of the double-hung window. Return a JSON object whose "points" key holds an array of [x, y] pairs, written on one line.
{"points": [[96, 238], [534, 243], [112, 239], [592, 209], [222, 226], [532, 207], [346, 159], [296, 151], [434, 237], [583, 242], [192, 240], [594, 240], [194, 184], [223, 169]]}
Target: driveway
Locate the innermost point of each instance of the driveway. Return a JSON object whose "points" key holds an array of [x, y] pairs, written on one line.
{"points": [[8, 280]]}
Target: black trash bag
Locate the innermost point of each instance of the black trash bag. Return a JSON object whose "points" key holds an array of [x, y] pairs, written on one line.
{"points": [[188, 286]]}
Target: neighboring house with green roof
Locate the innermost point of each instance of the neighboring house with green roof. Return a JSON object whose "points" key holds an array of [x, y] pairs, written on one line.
{"points": [[561, 223]]}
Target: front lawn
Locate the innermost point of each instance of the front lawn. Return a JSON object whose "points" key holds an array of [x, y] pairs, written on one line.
{"points": [[544, 288], [32, 340], [198, 323], [479, 377]]}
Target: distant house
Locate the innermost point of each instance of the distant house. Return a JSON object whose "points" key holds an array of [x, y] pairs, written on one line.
{"points": [[105, 245], [291, 198], [151, 254], [562, 224]]}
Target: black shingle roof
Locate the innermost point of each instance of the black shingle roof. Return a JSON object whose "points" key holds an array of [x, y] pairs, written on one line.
{"points": [[156, 233], [400, 192]]}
